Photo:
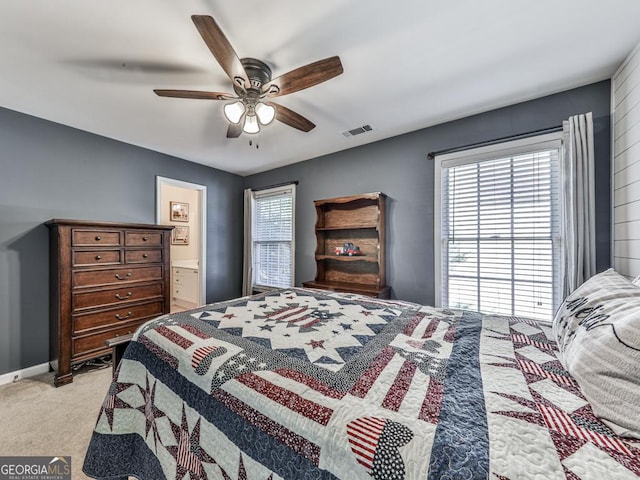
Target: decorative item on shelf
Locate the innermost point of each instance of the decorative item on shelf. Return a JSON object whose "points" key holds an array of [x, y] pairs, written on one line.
{"points": [[349, 249]]}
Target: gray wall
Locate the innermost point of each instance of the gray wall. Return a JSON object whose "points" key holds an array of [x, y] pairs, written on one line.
{"points": [[399, 168], [51, 171]]}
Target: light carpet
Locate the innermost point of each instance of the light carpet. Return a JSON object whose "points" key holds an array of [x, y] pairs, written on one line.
{"points": [[38, 419]]}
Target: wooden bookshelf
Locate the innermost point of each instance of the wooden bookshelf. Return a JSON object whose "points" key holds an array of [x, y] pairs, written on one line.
{"points": [[358, 219]]}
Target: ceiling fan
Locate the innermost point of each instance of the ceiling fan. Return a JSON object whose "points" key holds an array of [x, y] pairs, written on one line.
{"points": [[250, 106]]}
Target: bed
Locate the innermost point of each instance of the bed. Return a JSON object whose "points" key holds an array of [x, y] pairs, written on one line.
{"points": [[306, 384]]}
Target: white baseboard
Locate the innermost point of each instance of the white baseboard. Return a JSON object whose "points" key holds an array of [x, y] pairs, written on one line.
{"points": [[24, 373]]}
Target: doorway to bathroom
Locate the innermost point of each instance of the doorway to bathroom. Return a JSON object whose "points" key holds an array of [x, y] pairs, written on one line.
{"points": [[183, 205]]}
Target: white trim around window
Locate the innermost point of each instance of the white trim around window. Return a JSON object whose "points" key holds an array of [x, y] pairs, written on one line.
{"points": [[273, 237], [509, 151]]}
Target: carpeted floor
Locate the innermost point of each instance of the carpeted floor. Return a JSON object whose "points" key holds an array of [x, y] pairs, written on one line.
{"points": [[37, 419]]}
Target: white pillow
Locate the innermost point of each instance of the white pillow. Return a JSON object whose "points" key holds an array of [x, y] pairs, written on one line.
{"points": [[598, 333], [636, 281]]}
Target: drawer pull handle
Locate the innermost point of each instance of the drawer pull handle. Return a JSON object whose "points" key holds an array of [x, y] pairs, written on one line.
{"points": [[98, 238], [119, 317], [98, 257], [144, 239], [144, 255], [123, 298], [122, 278]]}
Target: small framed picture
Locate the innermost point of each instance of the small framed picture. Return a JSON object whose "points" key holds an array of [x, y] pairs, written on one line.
{"points": [[179, 211], [180, 236]]}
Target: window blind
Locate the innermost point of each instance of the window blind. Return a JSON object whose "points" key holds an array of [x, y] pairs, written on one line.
{"points": [[273, 238], [500, 234]]}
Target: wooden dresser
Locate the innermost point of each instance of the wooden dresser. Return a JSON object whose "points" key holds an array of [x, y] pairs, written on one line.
{"points": [[106, 279]]}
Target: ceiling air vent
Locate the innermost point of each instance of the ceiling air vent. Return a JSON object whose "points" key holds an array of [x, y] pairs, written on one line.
{"points": [[357, 131]]}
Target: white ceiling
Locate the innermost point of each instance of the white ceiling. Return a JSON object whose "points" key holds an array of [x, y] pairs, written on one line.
{"points": [[408, 64]]}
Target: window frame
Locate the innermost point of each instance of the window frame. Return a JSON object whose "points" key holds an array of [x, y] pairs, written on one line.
{"points": [[477, 155], [255, 196]]}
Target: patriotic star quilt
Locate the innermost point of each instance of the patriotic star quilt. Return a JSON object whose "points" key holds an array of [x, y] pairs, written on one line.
{"points": [[303, 384]]}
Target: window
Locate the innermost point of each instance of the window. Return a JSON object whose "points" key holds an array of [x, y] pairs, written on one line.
{"points": [[499, 228], [272, 237]]}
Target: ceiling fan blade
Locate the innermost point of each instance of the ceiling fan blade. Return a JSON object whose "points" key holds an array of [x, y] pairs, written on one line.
{"points": [[304, 77], [221, 48], [195, 94], [291, 118], [234, 130]]}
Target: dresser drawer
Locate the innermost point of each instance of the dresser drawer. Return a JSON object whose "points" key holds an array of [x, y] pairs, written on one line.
{"points": [[114, 276], [104, 298], [98, 257], [90, 238], [94, 343], [116, 316], [137, 239], [144, 256]]}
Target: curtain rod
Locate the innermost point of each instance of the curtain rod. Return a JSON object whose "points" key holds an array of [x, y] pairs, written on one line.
{"points": [[432, 155], [293, 182]]}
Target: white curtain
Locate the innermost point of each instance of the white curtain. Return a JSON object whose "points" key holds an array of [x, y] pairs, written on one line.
{"points": [[578, 202], [247, 270]]}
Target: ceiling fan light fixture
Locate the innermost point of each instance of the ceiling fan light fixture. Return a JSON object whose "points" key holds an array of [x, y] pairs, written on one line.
{"points": [[266, 113], [251, 124], [234, 111]]}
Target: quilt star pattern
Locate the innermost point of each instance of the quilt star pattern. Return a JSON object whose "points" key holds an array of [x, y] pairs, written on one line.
{"points": [[325, 331], [303, 384]]}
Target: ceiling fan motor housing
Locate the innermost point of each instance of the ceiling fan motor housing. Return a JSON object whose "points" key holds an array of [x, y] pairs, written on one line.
{"points": [[258, 74]]}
